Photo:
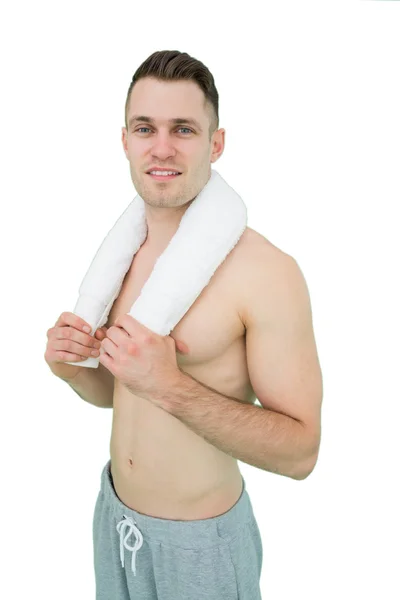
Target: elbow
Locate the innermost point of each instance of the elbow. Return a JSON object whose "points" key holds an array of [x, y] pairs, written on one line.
{"points": [[304, 468], [301, 473]]}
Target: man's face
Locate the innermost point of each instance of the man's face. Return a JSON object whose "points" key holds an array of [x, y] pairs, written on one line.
{"points": [[183, 147]]}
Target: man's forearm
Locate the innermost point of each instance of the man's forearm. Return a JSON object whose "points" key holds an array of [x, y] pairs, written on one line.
{"points": [[262, 438], [95, 386]]}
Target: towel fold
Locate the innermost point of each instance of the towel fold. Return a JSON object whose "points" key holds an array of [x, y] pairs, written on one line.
{"points": [[208, 231]]}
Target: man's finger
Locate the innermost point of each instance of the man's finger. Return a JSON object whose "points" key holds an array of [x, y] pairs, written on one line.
{"points": [[101, 333], [181, 347]]}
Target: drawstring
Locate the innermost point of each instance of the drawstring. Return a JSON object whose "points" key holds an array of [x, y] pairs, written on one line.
{"points": [[128, 522]]}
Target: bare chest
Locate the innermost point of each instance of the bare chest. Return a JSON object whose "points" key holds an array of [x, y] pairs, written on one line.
{"points": [[211, 329]]}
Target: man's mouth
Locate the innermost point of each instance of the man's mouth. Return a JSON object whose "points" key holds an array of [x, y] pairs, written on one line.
{"points": [[160, 176]]}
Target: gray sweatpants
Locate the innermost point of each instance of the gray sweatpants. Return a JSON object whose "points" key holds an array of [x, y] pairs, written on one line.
{"points": [[138, 557]]}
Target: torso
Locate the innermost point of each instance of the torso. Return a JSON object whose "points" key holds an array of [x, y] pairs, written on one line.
{"points": [[160, 467]]}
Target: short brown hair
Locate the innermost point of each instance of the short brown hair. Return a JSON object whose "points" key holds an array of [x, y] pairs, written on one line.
{"points": [[172, 65]]}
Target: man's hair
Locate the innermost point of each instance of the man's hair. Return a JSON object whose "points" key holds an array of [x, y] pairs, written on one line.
{"points": [[172, 65]]}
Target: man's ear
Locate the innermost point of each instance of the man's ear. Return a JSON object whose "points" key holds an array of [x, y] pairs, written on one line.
{"points": [[124, 140]]}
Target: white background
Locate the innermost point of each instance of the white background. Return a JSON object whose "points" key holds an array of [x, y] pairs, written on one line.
{"points": [[310, 102]]}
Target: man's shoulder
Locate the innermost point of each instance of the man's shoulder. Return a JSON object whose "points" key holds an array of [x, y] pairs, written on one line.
{"points": [[259, 263], [256, 249]]}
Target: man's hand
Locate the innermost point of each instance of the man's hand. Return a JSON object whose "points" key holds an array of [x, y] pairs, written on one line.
{"points": [[143, 361]]}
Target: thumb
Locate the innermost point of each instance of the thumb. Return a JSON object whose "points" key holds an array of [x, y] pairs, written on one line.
{"points": [[101, 333], [181, 347]]}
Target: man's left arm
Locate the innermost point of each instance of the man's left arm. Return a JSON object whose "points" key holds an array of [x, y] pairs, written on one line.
{"points": [[262, 438], [283, 435]]}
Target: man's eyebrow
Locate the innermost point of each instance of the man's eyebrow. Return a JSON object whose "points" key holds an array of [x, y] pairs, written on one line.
{"points": [[177, 121]]}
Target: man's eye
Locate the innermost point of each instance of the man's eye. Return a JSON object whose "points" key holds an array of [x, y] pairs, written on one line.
{"points": [[187, 129]]}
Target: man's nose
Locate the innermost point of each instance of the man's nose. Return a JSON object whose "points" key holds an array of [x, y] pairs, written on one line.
{"points": [[163, 147]]}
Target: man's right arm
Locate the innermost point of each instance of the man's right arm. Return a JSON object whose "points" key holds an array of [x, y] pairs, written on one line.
{"points": [[95, 386]]}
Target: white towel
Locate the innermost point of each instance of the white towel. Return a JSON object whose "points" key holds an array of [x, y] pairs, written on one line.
{"points": [[208, 231]]}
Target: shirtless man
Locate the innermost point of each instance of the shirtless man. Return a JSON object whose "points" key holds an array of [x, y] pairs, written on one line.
{"points": [[172, 493]]}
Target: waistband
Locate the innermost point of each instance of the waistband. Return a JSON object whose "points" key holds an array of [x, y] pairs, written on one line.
{"points": [[185, 533]]}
